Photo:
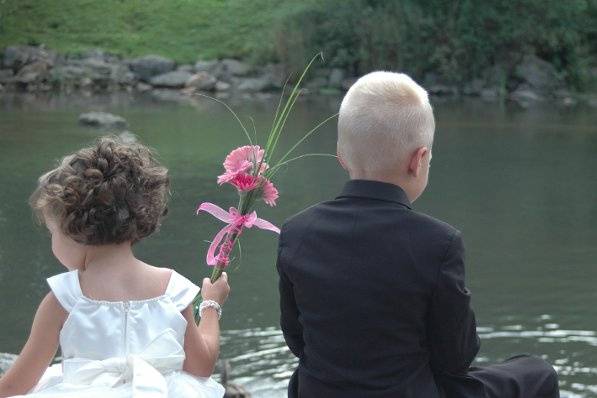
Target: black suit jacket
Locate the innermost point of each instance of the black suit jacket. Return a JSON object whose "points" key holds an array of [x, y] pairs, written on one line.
{"points": [[372, 296]]}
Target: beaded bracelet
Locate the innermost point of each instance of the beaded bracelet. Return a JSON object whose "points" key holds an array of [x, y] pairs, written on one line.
{"points": [[210, 304]]}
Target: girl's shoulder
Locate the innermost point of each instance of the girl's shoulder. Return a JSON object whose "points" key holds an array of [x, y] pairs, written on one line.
{"points": [[180, 290], [66, 289]]}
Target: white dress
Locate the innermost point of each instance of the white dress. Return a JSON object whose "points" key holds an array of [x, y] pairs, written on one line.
{"points": [[114, 349]]}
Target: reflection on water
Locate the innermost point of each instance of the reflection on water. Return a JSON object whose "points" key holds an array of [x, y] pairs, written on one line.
{"points": [[520, 185]]}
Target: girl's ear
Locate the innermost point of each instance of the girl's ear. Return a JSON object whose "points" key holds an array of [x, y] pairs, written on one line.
{"points": [[415, 164]]}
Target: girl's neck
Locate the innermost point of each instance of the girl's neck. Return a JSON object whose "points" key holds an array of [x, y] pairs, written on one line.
{"points": [[109, 256]]}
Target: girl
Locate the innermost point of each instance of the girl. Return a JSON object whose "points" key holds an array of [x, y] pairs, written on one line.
{"points": [[125, 328]]}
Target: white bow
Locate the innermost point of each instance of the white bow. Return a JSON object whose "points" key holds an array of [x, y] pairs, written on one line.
{"points": [[144, 371]]}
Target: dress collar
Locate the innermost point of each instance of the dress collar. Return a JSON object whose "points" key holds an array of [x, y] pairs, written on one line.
{"points": [[375, 190]]}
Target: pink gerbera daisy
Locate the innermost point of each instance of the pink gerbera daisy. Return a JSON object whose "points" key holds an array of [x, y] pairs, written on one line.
{"points": [[245, 182], [269, 192], [241, 161]]}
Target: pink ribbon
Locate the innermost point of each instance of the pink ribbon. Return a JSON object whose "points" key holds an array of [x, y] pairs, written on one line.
{"points": [[236, 222]]}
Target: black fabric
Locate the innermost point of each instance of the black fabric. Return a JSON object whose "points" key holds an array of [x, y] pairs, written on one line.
{"points": [[374, 304]]}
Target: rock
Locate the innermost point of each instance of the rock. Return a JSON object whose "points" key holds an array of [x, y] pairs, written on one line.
{"points": [[121, 74], [538, 75], [442, 90], [186, 68], [222, 86], [490, 94], [99, 54], [276, 74], [214, 67], [235, 67], [525, 97], [128, 137], [176, 79], [151, 65], [202, 81], [254, 84], [143, 87], [348, 82], [102, 119], [6, 75], [236, 391], [232, 390], [473, 87], [67, 73], [590, 100], [6, 361], [568, 101], [33, 73], [336, 78], [15, 57]]}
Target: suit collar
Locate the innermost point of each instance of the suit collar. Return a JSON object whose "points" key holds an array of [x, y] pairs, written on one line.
{"points": [[375, 190]]}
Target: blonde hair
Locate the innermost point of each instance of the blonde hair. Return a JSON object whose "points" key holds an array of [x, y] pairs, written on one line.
{"points": [[384, 116]]}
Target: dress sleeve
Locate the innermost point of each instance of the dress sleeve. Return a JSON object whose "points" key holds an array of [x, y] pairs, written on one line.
{"points": [[66, 288], [181, 291]]}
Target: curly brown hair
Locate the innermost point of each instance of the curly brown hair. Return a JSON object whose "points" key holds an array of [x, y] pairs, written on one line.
{"points": [[109, 193]]}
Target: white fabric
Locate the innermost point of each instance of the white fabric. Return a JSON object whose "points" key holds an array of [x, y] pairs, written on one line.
{"points": [[123, 349]]}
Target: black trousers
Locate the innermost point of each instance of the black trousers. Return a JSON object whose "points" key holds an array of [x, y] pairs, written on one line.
{"points": [[522, 376]]}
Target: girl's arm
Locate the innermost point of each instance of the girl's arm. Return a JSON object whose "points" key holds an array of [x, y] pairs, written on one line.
{"points": [[39, 350], [202, 343]]}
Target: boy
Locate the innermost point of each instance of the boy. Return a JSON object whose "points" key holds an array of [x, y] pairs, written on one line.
{"points": [[372, 293]]}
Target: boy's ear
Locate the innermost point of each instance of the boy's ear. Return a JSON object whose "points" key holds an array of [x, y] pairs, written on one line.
{"points": [[341, 161], [416, 161]]}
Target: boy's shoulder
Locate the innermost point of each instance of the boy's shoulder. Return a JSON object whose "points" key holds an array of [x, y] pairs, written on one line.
{"points": [[433, 224], [423, 221], [304, 216]]}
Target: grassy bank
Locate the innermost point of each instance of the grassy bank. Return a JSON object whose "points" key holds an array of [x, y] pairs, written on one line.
{"points": [[180, 29], [457, 40]]}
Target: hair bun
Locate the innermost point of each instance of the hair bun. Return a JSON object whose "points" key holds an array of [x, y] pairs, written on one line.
{"points": [[111, 192]]}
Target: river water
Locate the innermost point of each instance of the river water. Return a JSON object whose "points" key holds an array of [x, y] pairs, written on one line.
{"points": [[520, 184]]}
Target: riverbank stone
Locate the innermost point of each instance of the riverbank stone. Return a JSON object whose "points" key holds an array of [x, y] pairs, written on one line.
{"points": [[254, 84], [235, 67], [538, 74], [15, 57], [102, 119], [6, 76], [6, 361], [526, 97], [176, 79], [222, 86], [202, 81], [149, 66]]}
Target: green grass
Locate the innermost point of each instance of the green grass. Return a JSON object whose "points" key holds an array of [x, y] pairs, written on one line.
{"points": [[184, 30]]}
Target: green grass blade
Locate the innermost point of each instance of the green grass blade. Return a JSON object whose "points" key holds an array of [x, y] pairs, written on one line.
{"points": [[310, 133], [277, 130], [272, 172]]}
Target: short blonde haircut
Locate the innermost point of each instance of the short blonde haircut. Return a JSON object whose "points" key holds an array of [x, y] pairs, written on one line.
{"points": [[383, 118]]}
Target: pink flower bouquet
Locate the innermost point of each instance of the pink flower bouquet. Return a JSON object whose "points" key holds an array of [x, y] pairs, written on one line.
{"points": [[251, 169]]}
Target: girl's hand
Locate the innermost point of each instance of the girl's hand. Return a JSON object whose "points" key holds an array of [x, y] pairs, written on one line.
{"points": [[217, 291]]}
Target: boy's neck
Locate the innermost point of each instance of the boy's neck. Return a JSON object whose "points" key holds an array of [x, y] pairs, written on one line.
{"points": [[390, 179]]}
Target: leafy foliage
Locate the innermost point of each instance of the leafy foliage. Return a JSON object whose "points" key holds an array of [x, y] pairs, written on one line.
{"points": [[457, 39]]}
